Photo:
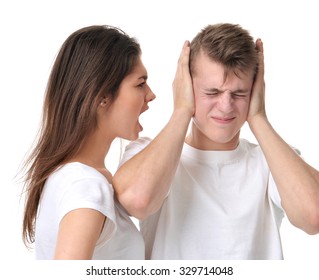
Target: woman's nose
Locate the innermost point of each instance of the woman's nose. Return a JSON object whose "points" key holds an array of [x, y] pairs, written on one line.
{"points": [[150, 95]]}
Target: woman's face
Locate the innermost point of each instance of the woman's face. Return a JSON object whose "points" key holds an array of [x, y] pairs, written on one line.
{"points": [[122, 117]]}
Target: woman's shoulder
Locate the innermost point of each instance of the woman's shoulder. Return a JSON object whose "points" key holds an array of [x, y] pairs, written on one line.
{"points": [[75, 172]]}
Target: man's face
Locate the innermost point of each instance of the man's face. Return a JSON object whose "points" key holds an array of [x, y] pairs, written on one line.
{"points": [[221, 105]]}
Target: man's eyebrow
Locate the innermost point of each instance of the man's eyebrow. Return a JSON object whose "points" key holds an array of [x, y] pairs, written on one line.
{"points": [[212, 90], [240, 90]]}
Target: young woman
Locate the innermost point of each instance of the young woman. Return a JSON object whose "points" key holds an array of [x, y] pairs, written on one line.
{"points": [[96, 91]]}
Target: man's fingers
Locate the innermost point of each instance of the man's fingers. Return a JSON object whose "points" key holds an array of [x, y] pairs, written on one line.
{"points": [[260, 51], [184, 56]]}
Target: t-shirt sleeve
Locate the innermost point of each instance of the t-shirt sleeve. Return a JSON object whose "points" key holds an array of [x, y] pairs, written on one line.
{"points": [[273, 192], [133, 148], [272, 187], [92, 193]]}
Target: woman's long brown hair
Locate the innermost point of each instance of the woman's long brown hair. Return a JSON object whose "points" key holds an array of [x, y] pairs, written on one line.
{"points": [[89, 67]]}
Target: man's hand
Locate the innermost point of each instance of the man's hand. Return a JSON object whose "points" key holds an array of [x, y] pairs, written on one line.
{"points": [[297, 181], [257, 100], [142, 183], [182, 85]]}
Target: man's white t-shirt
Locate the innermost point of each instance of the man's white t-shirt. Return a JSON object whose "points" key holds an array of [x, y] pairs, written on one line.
{"points": [[221, 205], [75, 186]]}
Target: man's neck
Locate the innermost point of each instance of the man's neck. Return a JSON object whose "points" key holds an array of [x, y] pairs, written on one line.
{"points": [[204, 143]]}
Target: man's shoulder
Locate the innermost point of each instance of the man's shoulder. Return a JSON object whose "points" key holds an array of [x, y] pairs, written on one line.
{"points": [[256, 147], [139, 143], [134, 147], [248, 144]]}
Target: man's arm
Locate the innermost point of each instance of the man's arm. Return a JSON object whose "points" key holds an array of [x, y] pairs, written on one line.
{"points": [[297, 182], [142, 183]]}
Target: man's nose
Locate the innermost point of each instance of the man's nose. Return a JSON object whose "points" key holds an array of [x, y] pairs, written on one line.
{"points": [[225, 101]]}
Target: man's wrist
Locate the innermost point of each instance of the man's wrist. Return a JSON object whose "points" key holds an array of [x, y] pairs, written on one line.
{"points": [[258, 122], [183, 113]]}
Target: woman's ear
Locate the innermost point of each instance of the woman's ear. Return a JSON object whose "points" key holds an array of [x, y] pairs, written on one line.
{"points": [[103, 102]]}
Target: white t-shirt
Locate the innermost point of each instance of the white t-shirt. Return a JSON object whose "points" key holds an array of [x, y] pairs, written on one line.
{"points": [[75, 186], [221, 205]]}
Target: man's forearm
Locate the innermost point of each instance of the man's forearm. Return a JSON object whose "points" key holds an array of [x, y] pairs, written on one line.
{"points": [[297, 182], [142, 183]]}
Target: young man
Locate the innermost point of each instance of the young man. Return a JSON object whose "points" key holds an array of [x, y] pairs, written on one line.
{"points": [[227, 197]]}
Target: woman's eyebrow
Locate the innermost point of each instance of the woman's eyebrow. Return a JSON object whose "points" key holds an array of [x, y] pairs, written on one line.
{"points": [[144, 77]]}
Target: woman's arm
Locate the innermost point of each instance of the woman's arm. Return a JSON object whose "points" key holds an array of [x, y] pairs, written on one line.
{"points": [[79, 231]]}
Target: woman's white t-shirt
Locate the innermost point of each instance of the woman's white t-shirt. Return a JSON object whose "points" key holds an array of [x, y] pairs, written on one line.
{"points": [[75, 186]]}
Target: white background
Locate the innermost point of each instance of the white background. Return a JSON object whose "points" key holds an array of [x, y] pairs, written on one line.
{"points": [[33, 31]]}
